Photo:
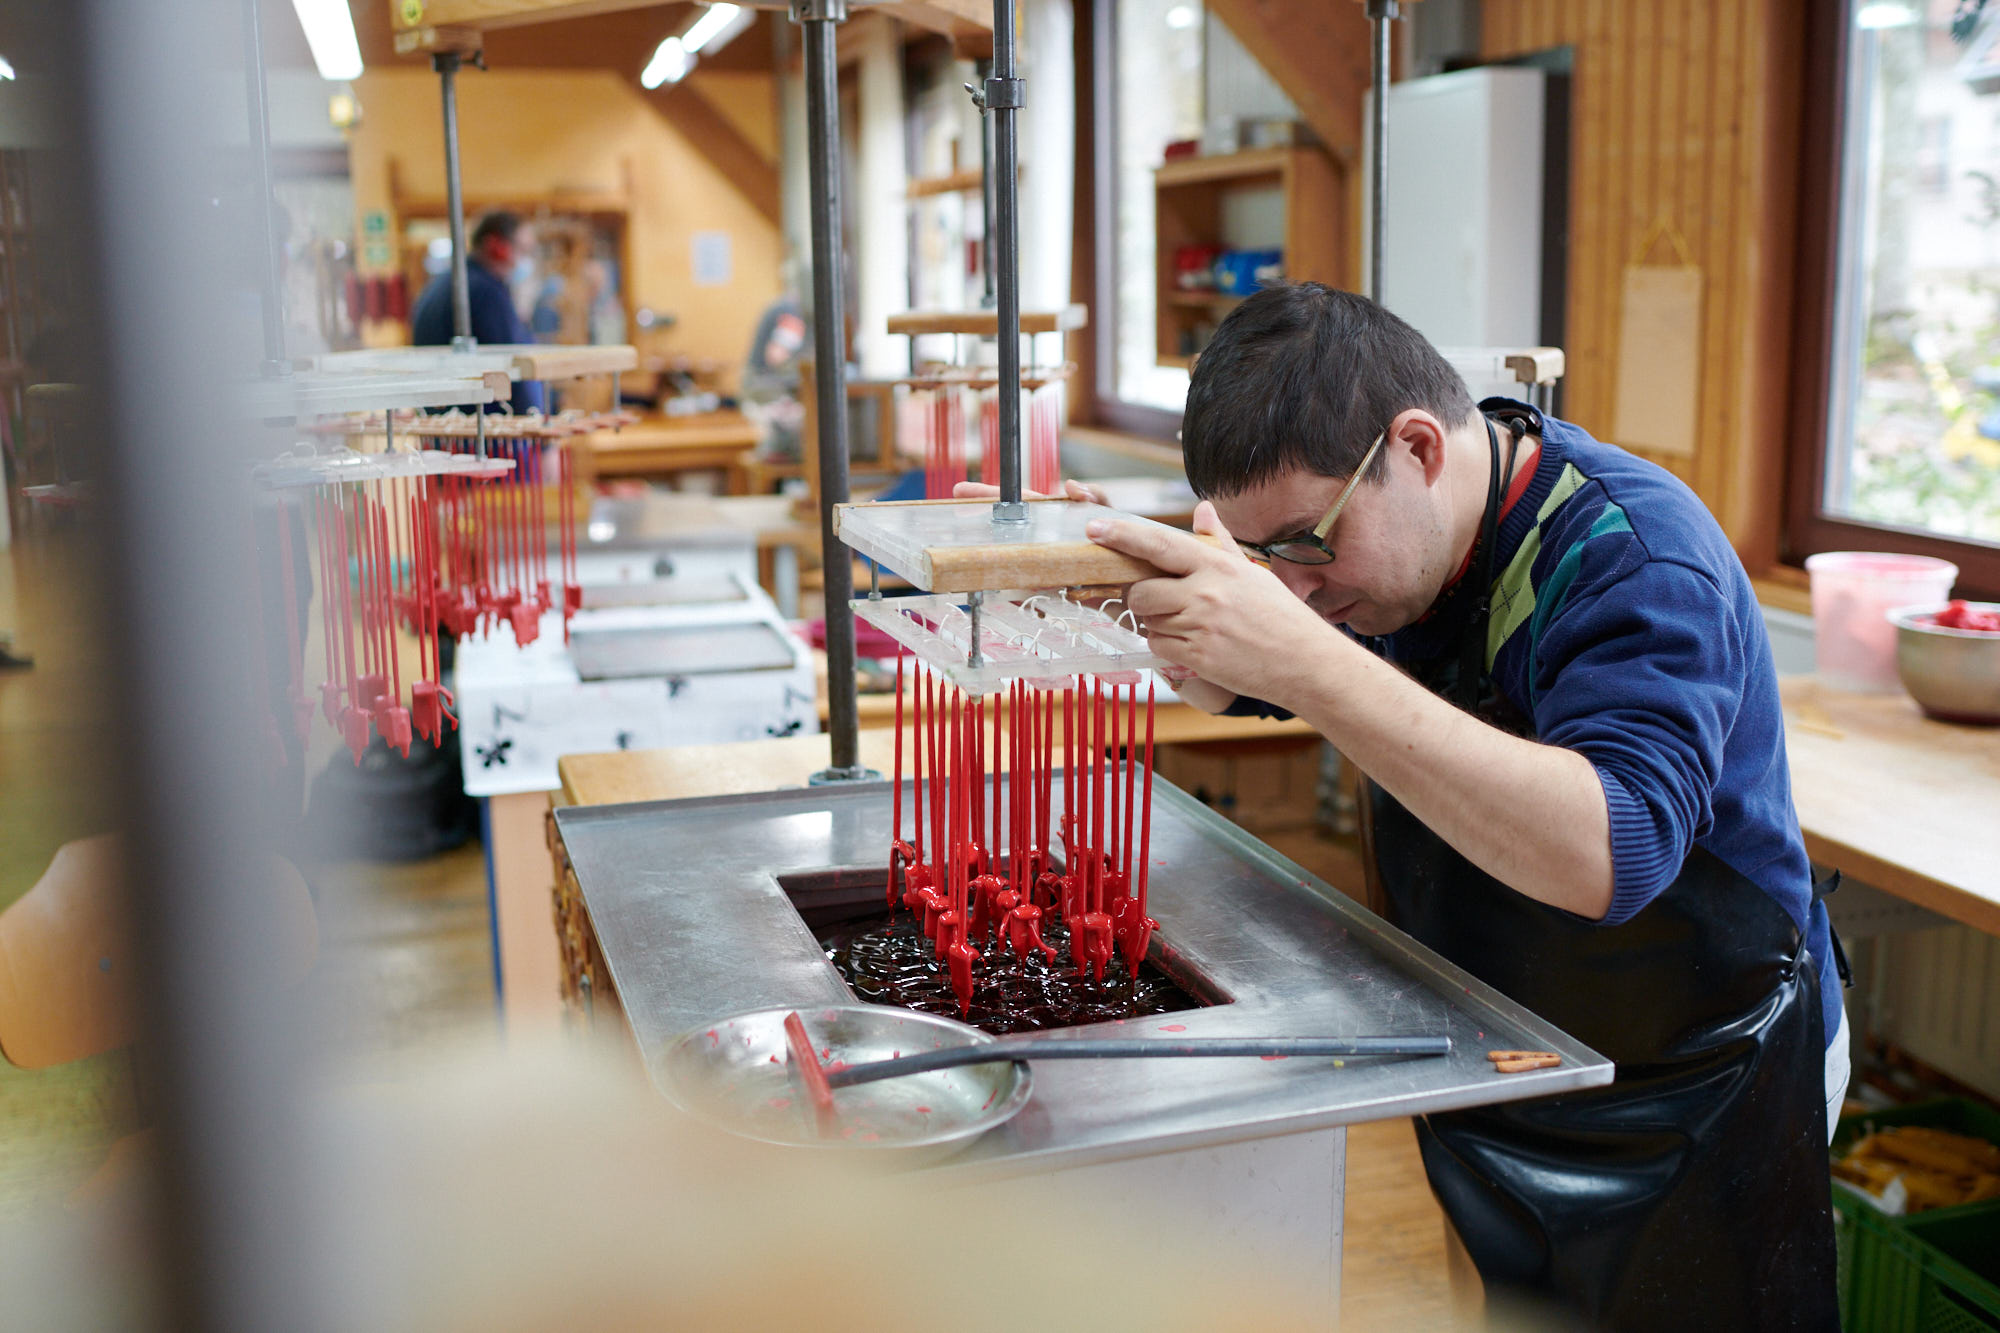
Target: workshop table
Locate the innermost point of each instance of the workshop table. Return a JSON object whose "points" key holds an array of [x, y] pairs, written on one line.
{"points": [[664, 446], [1900, 802], [1255, 1157]]}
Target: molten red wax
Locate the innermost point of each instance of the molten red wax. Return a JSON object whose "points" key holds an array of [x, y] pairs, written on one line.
{"points": [[887, 960]]}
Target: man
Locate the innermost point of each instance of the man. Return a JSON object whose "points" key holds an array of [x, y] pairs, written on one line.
{"points": [[1556, 678], [497, 243]]}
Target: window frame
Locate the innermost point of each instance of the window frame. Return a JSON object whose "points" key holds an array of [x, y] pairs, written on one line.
{"points": [[1107, 408], [1807, 527]]}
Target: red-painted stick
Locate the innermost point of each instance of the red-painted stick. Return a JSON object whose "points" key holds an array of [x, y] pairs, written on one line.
{"points": [[1146, 817], [993, 779], [806, 1060], [1100, 770], [1131, 769], [1115, 839], [896, 782], [917, 760]]}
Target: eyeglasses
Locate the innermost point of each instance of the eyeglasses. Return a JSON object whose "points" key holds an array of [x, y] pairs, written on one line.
{"points": [[1311, 549]]}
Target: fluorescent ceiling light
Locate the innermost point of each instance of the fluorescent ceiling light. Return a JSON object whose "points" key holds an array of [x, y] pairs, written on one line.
{"points": [[1180, 16], [330, 34], [712, 31], [1885, 16], [717, 24], [6, 70], [670, 64]]}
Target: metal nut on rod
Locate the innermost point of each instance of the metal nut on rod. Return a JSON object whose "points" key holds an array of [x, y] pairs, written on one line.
{"points": [[819, 11], [1004, 95]]}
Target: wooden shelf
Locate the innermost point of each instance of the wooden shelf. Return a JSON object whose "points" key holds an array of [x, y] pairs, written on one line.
{"points": [[1177, 362], [986, 323], [1188, 209], [958, 182], [1225, 168]]}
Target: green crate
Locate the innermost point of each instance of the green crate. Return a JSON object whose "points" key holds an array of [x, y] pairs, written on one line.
{"points": [[1933, 1272], [1960, 1115], [1960, 1292], [1880, 1267]]}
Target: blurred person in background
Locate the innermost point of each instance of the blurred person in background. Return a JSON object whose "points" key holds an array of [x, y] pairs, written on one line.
{"points": [[498, 242]]}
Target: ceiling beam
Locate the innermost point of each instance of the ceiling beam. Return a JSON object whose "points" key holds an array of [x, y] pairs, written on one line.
{"points": [[950, 17], [1320, 60], [715, 138], [486, 15]]}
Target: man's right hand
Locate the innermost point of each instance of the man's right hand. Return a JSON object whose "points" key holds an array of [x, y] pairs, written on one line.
{"points": [[1192, 690]]}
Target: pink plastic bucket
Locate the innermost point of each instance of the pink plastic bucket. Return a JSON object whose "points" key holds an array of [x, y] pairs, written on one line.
{"points": [[1854, 644]]}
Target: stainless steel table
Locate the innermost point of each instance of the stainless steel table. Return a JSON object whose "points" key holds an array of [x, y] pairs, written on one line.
{"points": [[690, 904]]}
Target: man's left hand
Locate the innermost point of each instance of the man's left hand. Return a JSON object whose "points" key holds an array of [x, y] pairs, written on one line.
{"points": [[1216, 611]]}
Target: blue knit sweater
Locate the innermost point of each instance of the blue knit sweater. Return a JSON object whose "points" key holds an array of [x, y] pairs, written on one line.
{"points": [[1624, 628]]}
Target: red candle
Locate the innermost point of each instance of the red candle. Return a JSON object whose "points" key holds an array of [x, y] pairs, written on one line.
{"points": [[1146, 818]]}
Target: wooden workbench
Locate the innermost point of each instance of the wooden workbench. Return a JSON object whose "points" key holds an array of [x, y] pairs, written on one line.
{"points": [[1902, 803], [663, 446]]}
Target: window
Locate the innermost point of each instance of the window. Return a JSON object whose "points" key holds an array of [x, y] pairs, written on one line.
{"points": [[1908, 417], [1154, 98]]}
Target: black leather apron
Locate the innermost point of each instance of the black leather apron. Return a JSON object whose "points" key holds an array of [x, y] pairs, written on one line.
{"points": [[1690, 1194]]}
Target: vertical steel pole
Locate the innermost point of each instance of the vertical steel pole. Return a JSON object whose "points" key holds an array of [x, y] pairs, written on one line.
{"points": [[446, 63], [259, 100], [1002, 99], [817, 18], [226, 1038], [1383, 12]]}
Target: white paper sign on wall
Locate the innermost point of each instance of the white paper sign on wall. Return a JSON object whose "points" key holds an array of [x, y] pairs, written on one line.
{"points": [[712, 259]]}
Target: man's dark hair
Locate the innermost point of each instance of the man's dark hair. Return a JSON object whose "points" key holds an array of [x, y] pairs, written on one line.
{"points": [[498, 225], [1304, 377]]}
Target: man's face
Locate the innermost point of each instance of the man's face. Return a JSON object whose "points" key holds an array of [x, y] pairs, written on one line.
{"points": [[1388, 543], [499, 251]]}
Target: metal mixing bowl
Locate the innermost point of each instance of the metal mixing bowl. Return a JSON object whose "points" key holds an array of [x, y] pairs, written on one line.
{"points": [[736, 1073], [1953, 674]]}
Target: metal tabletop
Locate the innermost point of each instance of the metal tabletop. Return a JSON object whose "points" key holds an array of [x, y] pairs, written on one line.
{"points": [[688, 908]]}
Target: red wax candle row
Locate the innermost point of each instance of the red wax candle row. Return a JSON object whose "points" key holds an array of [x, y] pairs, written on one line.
{"points": [[968, 886], [943, 419], [1045, 415]]}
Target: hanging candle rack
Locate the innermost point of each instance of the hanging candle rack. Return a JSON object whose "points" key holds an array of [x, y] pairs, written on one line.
{"points": [[443, 530]]}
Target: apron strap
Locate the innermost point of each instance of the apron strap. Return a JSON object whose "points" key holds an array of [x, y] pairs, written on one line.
{"points": [[1821, 888]]}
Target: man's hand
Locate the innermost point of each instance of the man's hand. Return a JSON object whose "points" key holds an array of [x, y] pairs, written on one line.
{"points": [[1191, 690], [1215, 611], [1072, 490]]}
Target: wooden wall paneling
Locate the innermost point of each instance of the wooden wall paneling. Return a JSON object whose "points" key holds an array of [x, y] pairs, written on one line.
{"points": [[727, 149], [1687, 113]]}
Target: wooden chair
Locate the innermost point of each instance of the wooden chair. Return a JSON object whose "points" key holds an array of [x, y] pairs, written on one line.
{"points": [[65, 963], [66, 958]]}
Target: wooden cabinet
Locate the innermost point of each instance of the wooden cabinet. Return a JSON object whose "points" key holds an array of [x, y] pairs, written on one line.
{"points": [[1213, 200]]}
